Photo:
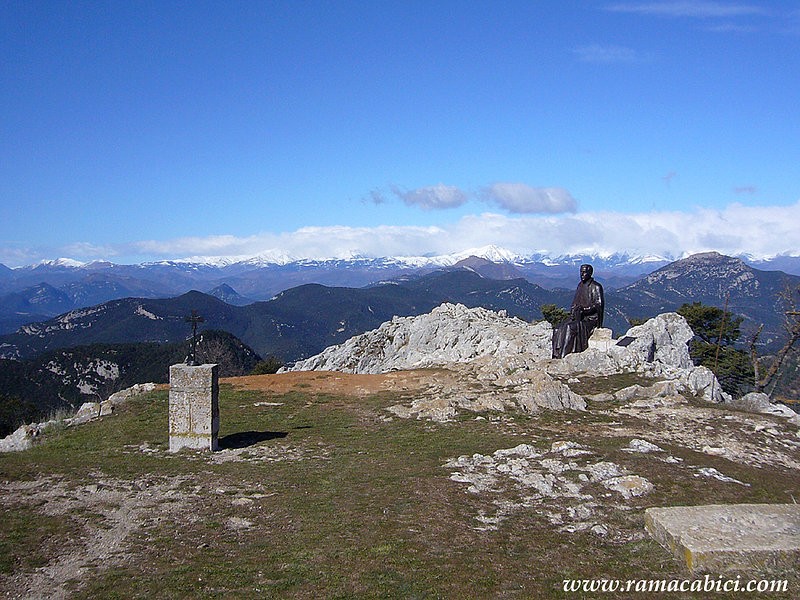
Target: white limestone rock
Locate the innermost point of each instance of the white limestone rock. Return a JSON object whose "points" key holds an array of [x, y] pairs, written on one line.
{"points": [[591, 360], [21, 439], [662, 339], [542, 391], [116, 399], [642, 446], [656, 348], [702, 382], [760, 403], [87, 412], [451, 333], [630, 486]]}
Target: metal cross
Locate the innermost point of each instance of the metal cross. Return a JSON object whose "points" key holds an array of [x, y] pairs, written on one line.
{"points": [[194, 319]]}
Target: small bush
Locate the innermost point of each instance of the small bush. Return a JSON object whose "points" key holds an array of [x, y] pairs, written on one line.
{"points": [[268, 366]]}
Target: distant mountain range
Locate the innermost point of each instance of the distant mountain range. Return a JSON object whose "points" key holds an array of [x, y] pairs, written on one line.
{"points": [[39, 292], [89, 352], [294, 324], [303, 320]]}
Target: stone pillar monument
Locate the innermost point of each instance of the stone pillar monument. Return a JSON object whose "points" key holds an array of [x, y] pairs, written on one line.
{"points": [[193, 407]]}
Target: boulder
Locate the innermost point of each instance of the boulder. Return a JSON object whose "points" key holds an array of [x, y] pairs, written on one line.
{"points": [[542, 391], [87, 412], [663, 339], [107, 406], [702, 382], [450, 333], [758, 402], [630, 486], [21, 439]]}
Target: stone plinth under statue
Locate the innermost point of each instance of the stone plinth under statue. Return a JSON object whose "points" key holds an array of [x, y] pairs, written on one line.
{"points": [[193, 407]]}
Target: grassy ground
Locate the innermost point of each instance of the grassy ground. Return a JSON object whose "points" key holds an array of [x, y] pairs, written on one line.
{"points": [[322, 496]]}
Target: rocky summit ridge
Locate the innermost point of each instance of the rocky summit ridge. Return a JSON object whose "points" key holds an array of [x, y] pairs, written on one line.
{"points": [[479, 359]]}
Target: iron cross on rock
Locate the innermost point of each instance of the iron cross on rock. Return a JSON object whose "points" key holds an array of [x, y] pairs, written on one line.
{"points": [[194, 319]]}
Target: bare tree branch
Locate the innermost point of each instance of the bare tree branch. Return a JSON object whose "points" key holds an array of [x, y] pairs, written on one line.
{"points": [[791, 324]]}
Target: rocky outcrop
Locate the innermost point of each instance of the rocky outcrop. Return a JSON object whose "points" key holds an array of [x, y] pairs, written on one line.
{"points": [[116, 399], [497, 353], [450, 333], [453, 334], [656, 348], [504, 362], [511, 359], [25, 435], [758, 402]]}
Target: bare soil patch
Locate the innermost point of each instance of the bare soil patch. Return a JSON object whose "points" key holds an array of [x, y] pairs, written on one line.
{"points": [[334, 383]]}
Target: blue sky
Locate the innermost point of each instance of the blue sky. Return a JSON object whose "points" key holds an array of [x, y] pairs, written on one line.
{"points": [[135, 131]]}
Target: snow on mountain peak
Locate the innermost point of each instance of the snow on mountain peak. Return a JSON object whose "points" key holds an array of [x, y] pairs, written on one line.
{"points": [[493, 253], [62, 262]]}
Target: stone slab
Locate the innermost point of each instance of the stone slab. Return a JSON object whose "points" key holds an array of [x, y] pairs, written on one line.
{"points": [[729, 537], [193, 407], [601, 339]]}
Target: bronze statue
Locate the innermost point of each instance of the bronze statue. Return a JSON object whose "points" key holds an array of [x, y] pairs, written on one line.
{"points": [[586, 314]]}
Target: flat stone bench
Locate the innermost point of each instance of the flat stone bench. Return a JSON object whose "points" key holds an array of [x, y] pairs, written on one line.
{"points": [[734, 537]]}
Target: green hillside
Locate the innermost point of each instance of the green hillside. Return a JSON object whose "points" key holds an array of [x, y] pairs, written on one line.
{"points": [[62, 380], [328, 496]]}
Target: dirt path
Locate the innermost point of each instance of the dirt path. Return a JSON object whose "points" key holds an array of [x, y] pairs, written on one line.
{"points": [[116, 508]]}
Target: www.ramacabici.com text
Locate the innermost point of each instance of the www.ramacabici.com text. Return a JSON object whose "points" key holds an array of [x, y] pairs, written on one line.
{"points": [[707, 584]]}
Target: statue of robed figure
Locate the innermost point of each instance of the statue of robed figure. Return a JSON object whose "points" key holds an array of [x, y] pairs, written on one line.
{"points": [[586, 314]]}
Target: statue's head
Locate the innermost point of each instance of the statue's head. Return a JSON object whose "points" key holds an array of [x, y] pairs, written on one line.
{"points": [[586, 272]]}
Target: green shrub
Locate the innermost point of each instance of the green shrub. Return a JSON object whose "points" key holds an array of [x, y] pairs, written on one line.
{"points": [[268, 366]]}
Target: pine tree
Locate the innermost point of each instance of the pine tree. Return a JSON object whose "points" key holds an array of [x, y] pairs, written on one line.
{"points": [[554, 314], [716, 331]]}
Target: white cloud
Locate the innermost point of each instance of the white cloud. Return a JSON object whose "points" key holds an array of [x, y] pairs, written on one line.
{"points": [[605, 54], [736, 229], [338, 241], [432, 197], [760, 231], [14, 255], [688, 8], [222, 245], [522, 198]]}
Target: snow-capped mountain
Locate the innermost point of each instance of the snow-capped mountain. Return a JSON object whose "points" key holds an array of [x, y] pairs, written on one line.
{"points": [[302, 320], [73, 284]]}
